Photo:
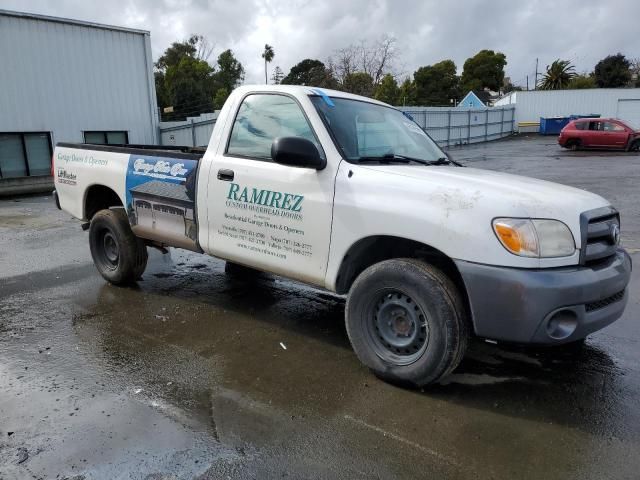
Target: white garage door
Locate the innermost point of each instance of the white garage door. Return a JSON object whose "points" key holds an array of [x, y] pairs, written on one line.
{"points": [[629, 111]]}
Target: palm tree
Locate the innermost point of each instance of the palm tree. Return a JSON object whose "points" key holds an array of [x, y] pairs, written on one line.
{"points": [[268, 55], [558, 75]]}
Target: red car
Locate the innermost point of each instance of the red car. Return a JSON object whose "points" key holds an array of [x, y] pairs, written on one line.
{"points": [[599, 133]]}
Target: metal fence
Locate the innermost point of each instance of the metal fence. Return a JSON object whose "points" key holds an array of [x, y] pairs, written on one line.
{"points": [[447, 126], [193, 132], [459, 126]]}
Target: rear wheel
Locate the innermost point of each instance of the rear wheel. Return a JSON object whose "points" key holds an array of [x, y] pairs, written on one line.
{"points": [[574, 145], [118, 254], [407, 322], [635, 146]]}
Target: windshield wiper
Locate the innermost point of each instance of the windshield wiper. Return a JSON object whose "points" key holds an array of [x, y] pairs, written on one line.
{"points": [[394, 157]]}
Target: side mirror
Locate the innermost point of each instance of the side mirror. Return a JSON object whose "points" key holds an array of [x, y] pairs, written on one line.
{"points": [[297, 152]]}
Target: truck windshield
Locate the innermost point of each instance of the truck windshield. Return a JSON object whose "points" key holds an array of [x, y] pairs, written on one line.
{"points": [[366, 131]]}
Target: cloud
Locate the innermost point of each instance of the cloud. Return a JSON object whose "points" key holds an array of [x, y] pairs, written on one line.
{"points": [[427, 31]]}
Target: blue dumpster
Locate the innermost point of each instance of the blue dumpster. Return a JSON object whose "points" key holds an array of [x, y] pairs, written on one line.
{"points": [[552, 125]]}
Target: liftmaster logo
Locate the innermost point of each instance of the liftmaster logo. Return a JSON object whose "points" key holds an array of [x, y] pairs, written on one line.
{"points": [[66, 177], [265, 201]]}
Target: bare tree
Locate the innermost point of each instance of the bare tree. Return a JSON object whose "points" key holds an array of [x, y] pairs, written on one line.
{"points": [[375, 59], [203, 46], [635, 71]]}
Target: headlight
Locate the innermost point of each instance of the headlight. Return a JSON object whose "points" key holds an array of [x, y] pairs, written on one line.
{"points": [[535, 238]]}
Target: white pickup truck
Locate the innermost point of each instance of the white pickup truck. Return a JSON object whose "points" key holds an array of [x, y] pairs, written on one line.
{"points": [[349, 194]]}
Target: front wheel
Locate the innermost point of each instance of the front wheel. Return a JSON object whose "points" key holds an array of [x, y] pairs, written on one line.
{"points": [[407, 322], [635, 146], [118, 254]]}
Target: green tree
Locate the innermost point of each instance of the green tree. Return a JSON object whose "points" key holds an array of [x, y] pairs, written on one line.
{"points": [[582, 81], [268, 55], [388, 90], [188, 86], [484, 70], [277, 76], [220, 97], [188, 83], [558, 75], [407, 93], [436, 84], [358, 83], [612, 71], [177, 51], [310, 72], [230, 72]]}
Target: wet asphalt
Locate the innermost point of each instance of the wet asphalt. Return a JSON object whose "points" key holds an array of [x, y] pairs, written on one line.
{"points": [[195, 374]]}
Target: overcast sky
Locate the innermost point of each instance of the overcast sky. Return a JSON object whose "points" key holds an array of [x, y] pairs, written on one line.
{"points": [[427, 31]]}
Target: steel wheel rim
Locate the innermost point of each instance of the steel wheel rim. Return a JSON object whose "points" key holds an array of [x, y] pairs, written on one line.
{"points": [[398, 328], [109, 251]]}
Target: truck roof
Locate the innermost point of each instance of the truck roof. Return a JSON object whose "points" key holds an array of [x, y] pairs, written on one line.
{"points": [[297, 90]]}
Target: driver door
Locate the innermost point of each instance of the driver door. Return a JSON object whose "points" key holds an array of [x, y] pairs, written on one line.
{"points": [[272, 217]]}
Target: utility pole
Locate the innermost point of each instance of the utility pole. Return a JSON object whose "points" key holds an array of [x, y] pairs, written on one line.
{"points": [[535, 80], [527, 83]]}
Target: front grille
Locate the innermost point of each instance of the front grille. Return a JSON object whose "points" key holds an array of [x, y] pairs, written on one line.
{"points": [[598, 242], [605, 302]]}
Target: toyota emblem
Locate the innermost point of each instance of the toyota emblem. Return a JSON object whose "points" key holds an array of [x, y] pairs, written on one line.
{"points": [[614, 231]]}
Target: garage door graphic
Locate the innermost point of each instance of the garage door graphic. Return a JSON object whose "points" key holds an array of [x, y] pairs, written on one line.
{"points": [[160, 200]]}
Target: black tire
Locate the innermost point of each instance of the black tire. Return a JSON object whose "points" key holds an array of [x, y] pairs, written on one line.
{"points": [[118, 254], [635, 146], [574, 145], [407, 322], [240, 271]]}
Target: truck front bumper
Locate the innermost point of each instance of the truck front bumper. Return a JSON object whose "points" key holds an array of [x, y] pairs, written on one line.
{"points": [[545, 306]]}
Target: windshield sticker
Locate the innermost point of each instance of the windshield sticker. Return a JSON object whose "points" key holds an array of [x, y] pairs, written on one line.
{"points": [[160, 195], [324, 96]]}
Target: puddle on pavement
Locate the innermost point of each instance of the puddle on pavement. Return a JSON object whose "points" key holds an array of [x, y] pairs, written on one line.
{"points": [[193, 348]]}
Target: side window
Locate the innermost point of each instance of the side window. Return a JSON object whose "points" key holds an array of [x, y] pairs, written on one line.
{"points": [[612, 127], [580, 125], [263, 118], [595, 125]]}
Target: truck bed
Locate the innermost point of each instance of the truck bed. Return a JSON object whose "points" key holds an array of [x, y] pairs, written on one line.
{"points": [[155, 183]]}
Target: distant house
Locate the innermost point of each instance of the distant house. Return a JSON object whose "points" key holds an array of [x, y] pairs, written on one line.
{"points": [[472, 100]]}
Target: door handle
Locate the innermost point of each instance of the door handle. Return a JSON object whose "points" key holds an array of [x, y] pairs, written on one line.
{"points": [[225, 175]]}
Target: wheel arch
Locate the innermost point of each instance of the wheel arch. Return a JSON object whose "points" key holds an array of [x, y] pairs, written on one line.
{"points": [[374, 249], [99, 197]]}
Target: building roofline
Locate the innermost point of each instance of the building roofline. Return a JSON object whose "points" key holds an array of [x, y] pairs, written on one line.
{"points": [[69, 21]]}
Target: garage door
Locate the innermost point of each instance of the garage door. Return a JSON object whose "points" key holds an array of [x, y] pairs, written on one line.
{"points": [[629, 111]]}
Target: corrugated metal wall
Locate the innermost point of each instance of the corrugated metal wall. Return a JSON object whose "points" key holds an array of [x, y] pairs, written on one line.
{"points": [[459, 126], [66, 78], [194, 132], [607, 102], [447, 126]]}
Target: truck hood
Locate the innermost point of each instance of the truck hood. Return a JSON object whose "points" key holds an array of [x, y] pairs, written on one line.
{"points": [[504, 194]]}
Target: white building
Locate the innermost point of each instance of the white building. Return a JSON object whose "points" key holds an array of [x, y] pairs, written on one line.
{"points": [[622, 103], [64, 80]]}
